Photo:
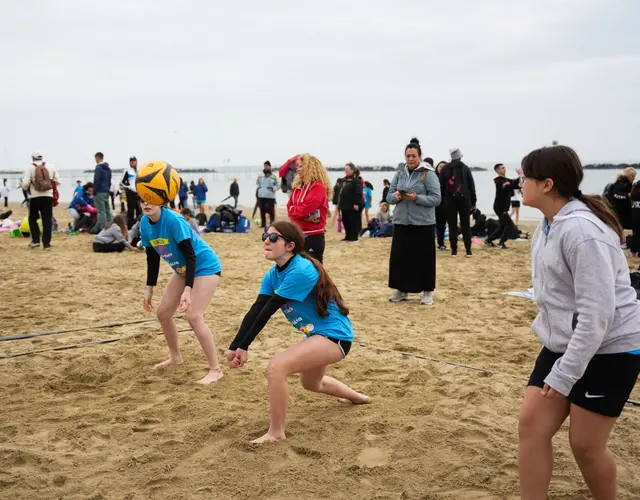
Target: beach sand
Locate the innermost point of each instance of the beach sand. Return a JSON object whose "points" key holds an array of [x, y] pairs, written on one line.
{"points": [[97, 422]]}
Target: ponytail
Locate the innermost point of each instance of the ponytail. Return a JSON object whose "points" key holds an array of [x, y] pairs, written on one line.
{"points": [[326, 290], [602, 209]]}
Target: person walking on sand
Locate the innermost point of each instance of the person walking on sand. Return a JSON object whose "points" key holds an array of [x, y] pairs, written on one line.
{"points": [[588, 323], [39, 179], [234, 192], [101, 187], [415, 191], [167, 234], [300, 286], [458, 198], [441, 214]]}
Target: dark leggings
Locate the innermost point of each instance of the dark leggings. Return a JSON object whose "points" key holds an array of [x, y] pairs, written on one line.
{"points": [[504, 230], [441, 224], [314, 245], [454, 207], [41, 207], [108, 247], [351, 223], [267, 206]]}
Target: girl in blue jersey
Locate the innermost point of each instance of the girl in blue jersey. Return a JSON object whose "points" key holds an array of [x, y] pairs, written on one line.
{"points": [[299, 285], [167, 234]]}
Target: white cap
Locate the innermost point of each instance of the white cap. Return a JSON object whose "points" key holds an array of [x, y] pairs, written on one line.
{"points": [[36, 155]]}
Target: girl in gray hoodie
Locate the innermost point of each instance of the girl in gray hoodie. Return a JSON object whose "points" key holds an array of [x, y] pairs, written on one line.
{"points": [[588, 323]]}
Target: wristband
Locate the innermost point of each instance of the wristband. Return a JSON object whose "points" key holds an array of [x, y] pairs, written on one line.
{"points": [[148, 291]]}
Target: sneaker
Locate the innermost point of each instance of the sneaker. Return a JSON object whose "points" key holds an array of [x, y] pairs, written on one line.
{"points": [[469, 255], [47, 248], [489, 243], [503, 246], [399, 296], [442, 248], [34, 245], [454, 254], [427, 299]]}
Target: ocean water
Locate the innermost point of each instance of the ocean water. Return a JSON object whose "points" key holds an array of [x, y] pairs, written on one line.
{"points": [[218, 183]]}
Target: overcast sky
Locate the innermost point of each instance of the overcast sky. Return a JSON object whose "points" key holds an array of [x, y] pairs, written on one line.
{"points": [[195, 82]]}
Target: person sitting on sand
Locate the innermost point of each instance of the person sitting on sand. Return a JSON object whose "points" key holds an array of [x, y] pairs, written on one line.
{"points": [[165, 233], [113, 238], [187, 214], [384, 216], [299, 285], [81, 200], [588, 323]]}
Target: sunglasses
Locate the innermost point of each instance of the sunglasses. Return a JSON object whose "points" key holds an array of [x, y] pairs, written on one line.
{"points": [[273, 237]]}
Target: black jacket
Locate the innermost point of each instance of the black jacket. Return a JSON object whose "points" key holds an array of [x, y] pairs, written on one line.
{"points": [[504, 192], [385, 192], [351, 193], [234, 190], [457, 168]]}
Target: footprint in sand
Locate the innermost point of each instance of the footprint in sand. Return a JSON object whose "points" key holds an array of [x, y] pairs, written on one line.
{"points": [[374, 457]]}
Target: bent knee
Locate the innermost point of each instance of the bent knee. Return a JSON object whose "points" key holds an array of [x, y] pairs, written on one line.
{"points": [[164, 314], [194, 318], [310, 385], [277, 369]]}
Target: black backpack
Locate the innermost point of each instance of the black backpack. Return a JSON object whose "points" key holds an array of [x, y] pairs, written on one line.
{"points": [[455, 183]]}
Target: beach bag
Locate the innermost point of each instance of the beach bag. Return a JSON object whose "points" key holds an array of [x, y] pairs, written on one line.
{"points": [[213, 226], [243, 225], [56, 194], [42, 179], [202, 219]]}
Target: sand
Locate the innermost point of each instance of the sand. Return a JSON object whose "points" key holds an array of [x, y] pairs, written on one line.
{"points": [[98, 423]]}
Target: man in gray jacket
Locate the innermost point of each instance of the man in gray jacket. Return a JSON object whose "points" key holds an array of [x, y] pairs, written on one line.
{"points": [[267, 187]]}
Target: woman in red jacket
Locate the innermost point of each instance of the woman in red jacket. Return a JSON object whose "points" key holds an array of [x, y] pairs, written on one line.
{"points": [[309, 203]]}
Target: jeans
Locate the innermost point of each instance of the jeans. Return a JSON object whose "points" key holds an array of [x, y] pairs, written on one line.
{"points": [[41, 207], [104, 210]]}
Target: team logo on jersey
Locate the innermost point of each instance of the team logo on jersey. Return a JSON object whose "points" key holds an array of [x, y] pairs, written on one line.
{"points": [[182, 270], [159, 242], [307, 329]]}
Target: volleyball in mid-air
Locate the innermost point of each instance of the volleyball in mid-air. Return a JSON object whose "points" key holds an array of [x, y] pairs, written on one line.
{"points": [[157, 182]]}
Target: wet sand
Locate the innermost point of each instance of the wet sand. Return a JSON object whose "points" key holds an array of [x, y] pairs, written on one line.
{"points": [[96, 422]]}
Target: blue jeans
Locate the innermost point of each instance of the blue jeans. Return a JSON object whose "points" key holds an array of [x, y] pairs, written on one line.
{"points": [[104, 210]]}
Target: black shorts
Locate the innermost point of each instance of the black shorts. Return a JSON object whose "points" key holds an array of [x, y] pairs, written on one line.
{"points": [[605, 386], [515, 203], [344, 345]]}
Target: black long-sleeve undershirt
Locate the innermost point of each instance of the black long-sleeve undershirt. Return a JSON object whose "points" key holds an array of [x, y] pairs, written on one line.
{"points": [[255, 320], [153, 264]]}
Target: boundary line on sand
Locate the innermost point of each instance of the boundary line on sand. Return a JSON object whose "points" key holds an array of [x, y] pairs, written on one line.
{"points": [[630, 402]]}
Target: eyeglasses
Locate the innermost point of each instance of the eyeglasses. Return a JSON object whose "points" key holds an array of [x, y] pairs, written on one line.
{"points": [[273, 237]]}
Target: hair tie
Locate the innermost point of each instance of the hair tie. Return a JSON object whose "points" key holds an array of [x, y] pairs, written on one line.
{"points": [[578, 195]]}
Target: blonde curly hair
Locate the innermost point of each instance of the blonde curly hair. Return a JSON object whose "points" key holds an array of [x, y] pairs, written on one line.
{"points": [[311, 170]]}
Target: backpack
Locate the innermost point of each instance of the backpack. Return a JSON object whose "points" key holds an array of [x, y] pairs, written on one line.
{"points": [[456, 183], [42, 179]]}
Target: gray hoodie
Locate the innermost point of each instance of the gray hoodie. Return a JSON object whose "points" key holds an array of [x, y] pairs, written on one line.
{"points": [[583, 291], [425, 183]]}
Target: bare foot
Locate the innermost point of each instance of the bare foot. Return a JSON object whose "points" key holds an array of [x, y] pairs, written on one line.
{"points": [[363, 399], [212, 376], [268, 438], [170, 361]]}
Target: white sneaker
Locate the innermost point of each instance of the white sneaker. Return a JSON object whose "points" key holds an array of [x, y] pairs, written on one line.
{"points": [[427, 299], [34, 245], [399, 296]]}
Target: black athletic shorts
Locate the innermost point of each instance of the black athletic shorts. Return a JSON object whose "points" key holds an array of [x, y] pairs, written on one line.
{"points": [[344, 345], [515, 203], [605, 386]]}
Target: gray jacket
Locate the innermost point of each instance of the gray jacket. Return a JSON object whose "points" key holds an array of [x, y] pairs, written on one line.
{"points": [[267, 186], [583, 291], [110, 234], [425, 183]]}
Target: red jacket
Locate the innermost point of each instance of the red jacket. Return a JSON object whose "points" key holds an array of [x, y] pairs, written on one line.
{"points": [[307, 208]]}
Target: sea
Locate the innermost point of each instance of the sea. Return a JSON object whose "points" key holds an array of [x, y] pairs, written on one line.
{"points": [[219, 181]]}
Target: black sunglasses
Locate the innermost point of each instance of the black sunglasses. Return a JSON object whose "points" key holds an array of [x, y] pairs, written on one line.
{"points": [[273, 237]]}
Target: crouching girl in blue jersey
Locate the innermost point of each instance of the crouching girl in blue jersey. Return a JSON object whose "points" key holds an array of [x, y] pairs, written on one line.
{"points": [[197, 269], [299, 285]]}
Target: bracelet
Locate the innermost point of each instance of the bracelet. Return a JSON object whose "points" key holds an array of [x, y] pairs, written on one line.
{"points": [[148, 292]]}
